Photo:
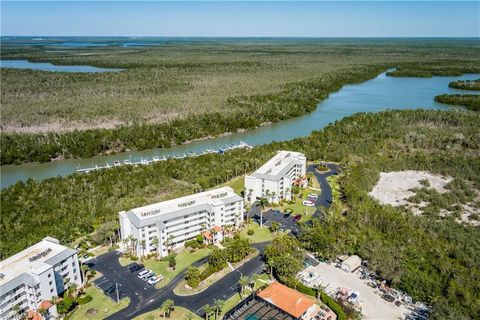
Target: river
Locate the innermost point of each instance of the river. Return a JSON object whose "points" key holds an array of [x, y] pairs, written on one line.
{"points": [[378, 94], [47, 66]]}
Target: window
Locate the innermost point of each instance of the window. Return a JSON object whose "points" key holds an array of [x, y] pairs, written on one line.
{"points": [[51, 290], [49, 275], [50, 283]]}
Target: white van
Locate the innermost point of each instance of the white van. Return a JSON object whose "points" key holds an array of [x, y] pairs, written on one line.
{"points": [[143, 273]]}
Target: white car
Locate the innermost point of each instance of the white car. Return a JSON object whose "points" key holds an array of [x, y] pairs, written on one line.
{"points": [[313, 195], [308, 203], [155, 279], [148, 276], [143, 273]]}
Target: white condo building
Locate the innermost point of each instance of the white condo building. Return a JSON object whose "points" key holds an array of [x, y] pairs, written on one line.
{"points": [[176, 221], [275, 178], [30, 278]]}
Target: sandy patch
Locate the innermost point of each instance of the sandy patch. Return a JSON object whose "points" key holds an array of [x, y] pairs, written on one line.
{"points": [[394, 187]]}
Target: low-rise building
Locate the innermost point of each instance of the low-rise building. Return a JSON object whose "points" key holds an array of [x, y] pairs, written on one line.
{"points": [[278, 301], [275, 178], [351, 263], [30, 278], [167, 225]]}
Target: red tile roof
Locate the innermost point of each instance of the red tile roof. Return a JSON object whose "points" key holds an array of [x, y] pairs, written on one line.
{"points": [[289, 300], [208, 235], [46, 304], [33, 315], [217, 229]]}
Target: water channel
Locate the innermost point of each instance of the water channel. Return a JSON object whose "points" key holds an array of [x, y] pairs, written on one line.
{"points": [[378, 94]]}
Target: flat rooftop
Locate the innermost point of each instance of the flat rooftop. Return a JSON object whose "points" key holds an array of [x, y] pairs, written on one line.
{"points": [[213, 197], [277, 164], [31, 259]]}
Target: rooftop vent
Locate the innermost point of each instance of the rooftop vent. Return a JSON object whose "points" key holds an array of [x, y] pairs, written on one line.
{"points": [[2, 275]]}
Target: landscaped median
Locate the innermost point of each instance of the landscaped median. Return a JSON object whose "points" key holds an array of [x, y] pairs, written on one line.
{"points": [[183, 289], [183, 259]]}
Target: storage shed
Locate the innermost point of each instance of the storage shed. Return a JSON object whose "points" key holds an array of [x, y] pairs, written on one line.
{"points": [[351, 264]]}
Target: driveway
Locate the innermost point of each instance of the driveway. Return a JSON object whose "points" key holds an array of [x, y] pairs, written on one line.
{"points": [[373, 306], [145, 298], [324, 200]]}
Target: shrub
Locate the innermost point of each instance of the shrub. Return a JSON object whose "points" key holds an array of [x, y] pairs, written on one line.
{"points": [[133, 258], [84, 300], [192, 244], [193, 277], [250, 232], [332, 304]]}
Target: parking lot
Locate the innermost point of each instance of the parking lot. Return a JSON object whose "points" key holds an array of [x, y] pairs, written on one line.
{"points": [[284, 220], [129, 285]]}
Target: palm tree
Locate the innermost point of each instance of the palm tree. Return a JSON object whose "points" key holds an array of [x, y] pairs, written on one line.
{"points": [[84, 268], [169, 243], [208, 310], [218, 306], [73, 289], [249, 197], [143, 245], [167, 307], [267, 194], [155, 243], [242, 282], [273, 195]]}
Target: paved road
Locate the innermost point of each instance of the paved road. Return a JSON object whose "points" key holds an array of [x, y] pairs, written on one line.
{"points": [[325, 198], [144, 298]]}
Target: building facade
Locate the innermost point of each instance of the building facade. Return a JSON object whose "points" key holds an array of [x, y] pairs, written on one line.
{"points": [[275, 178], [166, 225], [30, 278]]}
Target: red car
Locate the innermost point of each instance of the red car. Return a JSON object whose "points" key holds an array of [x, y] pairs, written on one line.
{"points": [[297, 218]]}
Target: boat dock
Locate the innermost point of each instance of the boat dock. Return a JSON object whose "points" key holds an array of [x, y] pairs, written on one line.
{"points": [[154, 159]]}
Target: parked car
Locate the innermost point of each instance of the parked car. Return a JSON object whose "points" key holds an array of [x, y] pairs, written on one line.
{"points": [[155, 279], [110, 289], [134, 267], [286, 215], [144, 272], [148, 276], [276, 212], [297, 218], [388, 298], [313, 195], [308, 203]]}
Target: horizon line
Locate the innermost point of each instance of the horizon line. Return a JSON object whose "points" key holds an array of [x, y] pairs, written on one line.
{"points": [[223, 36]]}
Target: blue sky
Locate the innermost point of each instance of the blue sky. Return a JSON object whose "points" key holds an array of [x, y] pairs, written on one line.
{"points": [[254, 18]]}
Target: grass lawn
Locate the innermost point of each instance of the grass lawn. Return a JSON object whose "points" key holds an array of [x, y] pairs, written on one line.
{"points": [[236, 298], [298, 207], [184, 259], [237, 184], [103, 304], [178, 313], [260, 235]]}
